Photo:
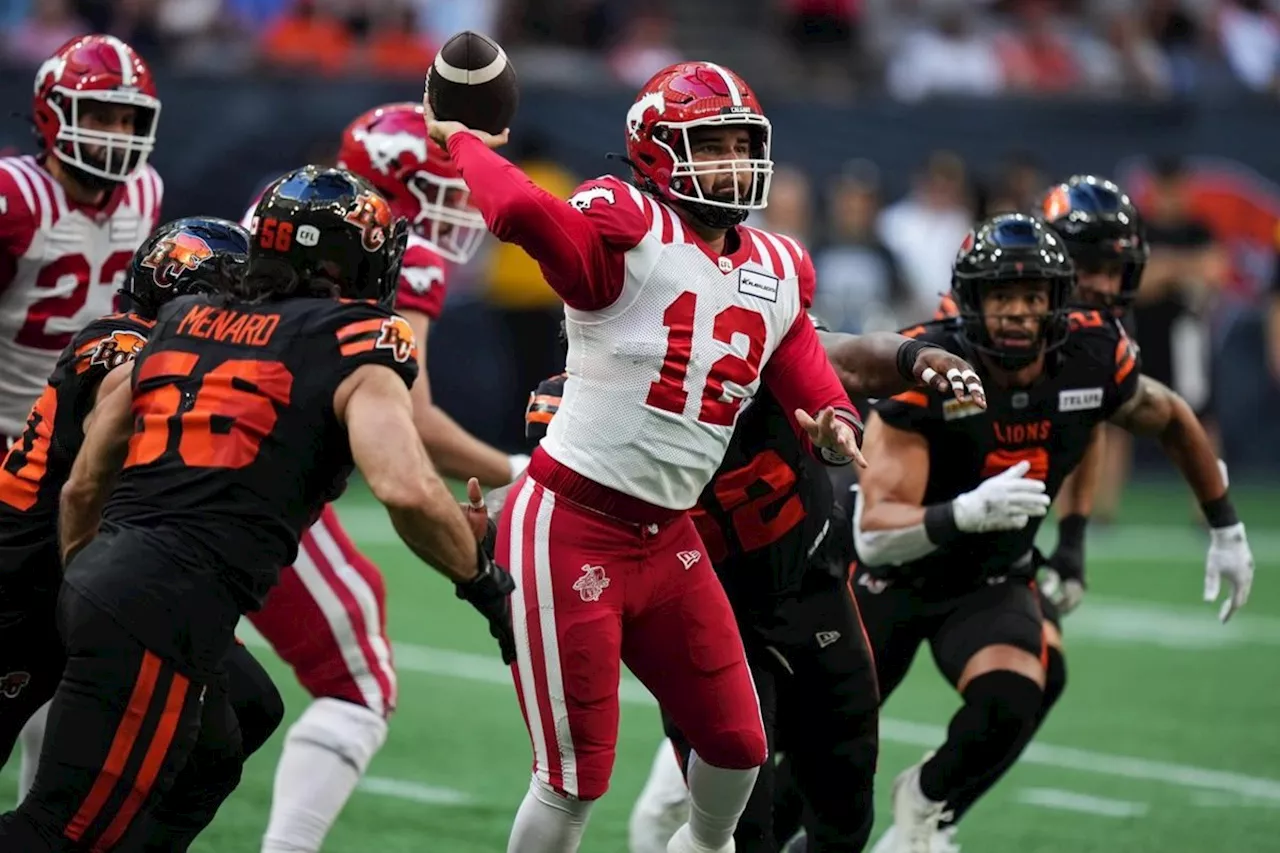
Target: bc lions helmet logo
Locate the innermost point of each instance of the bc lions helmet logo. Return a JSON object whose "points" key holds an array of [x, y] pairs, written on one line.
{"points": [[372, 214], [172, 257], [11, 684], [117, 348], [397, 335]]}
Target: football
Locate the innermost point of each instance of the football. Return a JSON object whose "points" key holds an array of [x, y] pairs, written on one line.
{"points": [[472, 81]]}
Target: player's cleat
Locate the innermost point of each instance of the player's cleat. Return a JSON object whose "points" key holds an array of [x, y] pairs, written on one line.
{"points": [[915, 816], [682, 842]]}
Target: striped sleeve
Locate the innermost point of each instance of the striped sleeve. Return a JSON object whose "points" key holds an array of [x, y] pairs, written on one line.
{"points": [[365, 333]]}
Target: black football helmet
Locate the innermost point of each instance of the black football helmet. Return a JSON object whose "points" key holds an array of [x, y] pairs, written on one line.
{"points": [[1006, 248], [331, 230], [199, 254], [1101, 228]]}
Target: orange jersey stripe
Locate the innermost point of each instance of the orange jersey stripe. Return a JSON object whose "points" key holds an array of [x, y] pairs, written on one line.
{"points": [[1125, 360], [360, 327], [358, 347], [913, 398]]}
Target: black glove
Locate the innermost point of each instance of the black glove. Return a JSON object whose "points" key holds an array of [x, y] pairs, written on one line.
{"points": [[1067, 558], [490, 593], [489, 544]]}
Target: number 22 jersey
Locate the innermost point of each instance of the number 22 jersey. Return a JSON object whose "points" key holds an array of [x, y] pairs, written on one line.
{"points": [[236, 446]]}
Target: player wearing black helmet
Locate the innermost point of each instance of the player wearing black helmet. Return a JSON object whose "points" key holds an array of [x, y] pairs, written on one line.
{"points": [[246, 414], [949, 508]]}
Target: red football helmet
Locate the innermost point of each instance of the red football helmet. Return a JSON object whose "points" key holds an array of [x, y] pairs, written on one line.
{"points": [[104, 70], [389, 147], [698, 94]]}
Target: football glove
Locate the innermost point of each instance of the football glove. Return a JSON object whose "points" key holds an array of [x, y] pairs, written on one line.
{"points": [[1003, 502], [1229, 556], [490, 593], [1061, 578]]}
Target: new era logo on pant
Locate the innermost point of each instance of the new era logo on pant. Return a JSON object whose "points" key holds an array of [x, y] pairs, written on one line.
{"points": [[826, 638], [688, 558]]}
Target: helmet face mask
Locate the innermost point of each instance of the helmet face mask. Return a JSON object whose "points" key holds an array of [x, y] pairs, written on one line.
{"points": [[1018, 261], [78, 92], [445, 217]]}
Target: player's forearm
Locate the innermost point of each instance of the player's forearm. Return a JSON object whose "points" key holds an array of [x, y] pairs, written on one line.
{"points": [[868, 365], [435, 530], [1188, 447], [518, 211], [457, 453], [801, 377]]}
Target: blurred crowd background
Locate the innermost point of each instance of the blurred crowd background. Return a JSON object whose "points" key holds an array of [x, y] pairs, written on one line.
{"points": [[896, 124]]}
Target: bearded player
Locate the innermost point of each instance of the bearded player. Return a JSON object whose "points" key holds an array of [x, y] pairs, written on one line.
{"points": [[327, 618], [945, 535], [70, 219], [676, 314]]}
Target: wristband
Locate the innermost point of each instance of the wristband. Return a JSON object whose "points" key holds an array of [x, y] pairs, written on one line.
{"points": [[940, 524], [1220, 512], [1071, 531], [908, 353]]}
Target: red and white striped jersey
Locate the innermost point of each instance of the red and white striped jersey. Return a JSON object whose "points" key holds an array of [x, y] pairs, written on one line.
{"points": [[422, 286], [61, 264]]}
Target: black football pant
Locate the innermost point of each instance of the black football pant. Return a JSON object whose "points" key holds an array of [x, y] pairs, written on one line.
{"points": [[818, 696], [31, 658], [122, 726]]}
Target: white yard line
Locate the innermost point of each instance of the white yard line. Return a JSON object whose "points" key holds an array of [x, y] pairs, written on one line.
{"points": [[488, 669], [1053, 798], [403, 789]]}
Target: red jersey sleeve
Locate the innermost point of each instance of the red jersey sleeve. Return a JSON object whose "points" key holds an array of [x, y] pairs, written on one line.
{"points": [[422, 280], [19, 220], [579, 244], [801, 377]]}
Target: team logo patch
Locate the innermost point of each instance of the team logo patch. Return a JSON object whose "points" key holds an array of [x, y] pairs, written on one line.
{"points": [[172, 257], [117, 348], [954, 410], [1079, 399], [372, 215], [396, 335], [583, 200], [688, 558], [592, 583], [12, 683], [757, 284]]}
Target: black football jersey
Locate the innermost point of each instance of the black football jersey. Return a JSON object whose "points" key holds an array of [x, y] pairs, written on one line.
{"points": [[37, 466], [766, 511], [236, 447], [1048, 425]]}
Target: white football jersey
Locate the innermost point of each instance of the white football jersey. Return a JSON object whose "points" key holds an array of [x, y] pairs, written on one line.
{"points": [[657, 379], [60, 267]]}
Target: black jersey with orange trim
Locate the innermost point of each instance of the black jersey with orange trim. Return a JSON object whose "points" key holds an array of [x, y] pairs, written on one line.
{"points": [[236, 446], [766, 513], [1048, 424], [35, 468]]}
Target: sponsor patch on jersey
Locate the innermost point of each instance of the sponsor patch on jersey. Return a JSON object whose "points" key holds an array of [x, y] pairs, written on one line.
{"points": [[954, 410], [757, 284], [1079, 399]]}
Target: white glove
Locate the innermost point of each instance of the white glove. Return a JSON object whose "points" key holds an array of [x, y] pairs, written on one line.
{"points": [[1229, 556], [1003, 502], [1066, 595]]}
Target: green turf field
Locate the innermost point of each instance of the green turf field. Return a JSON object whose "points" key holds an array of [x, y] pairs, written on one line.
{"points": [[1168, 738]]}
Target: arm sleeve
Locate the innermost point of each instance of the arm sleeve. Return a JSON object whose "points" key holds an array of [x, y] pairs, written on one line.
{"points": [[365, 333], [801, 377], [579, 244], [422, 282]]}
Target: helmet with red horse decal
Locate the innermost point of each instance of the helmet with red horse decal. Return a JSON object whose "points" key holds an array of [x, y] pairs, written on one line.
{"points": [[85, 77], [668, 149]]}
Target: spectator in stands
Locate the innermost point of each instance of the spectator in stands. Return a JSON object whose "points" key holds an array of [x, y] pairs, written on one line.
{"points": [[51, 24], [1249, 36], [308, 38], [925, 229], [1124, 59], [645, 47], [824, 33], [860, 285], [1177, 33], [396, 45], [950, 57], [790, 209], [1035, 55]]}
